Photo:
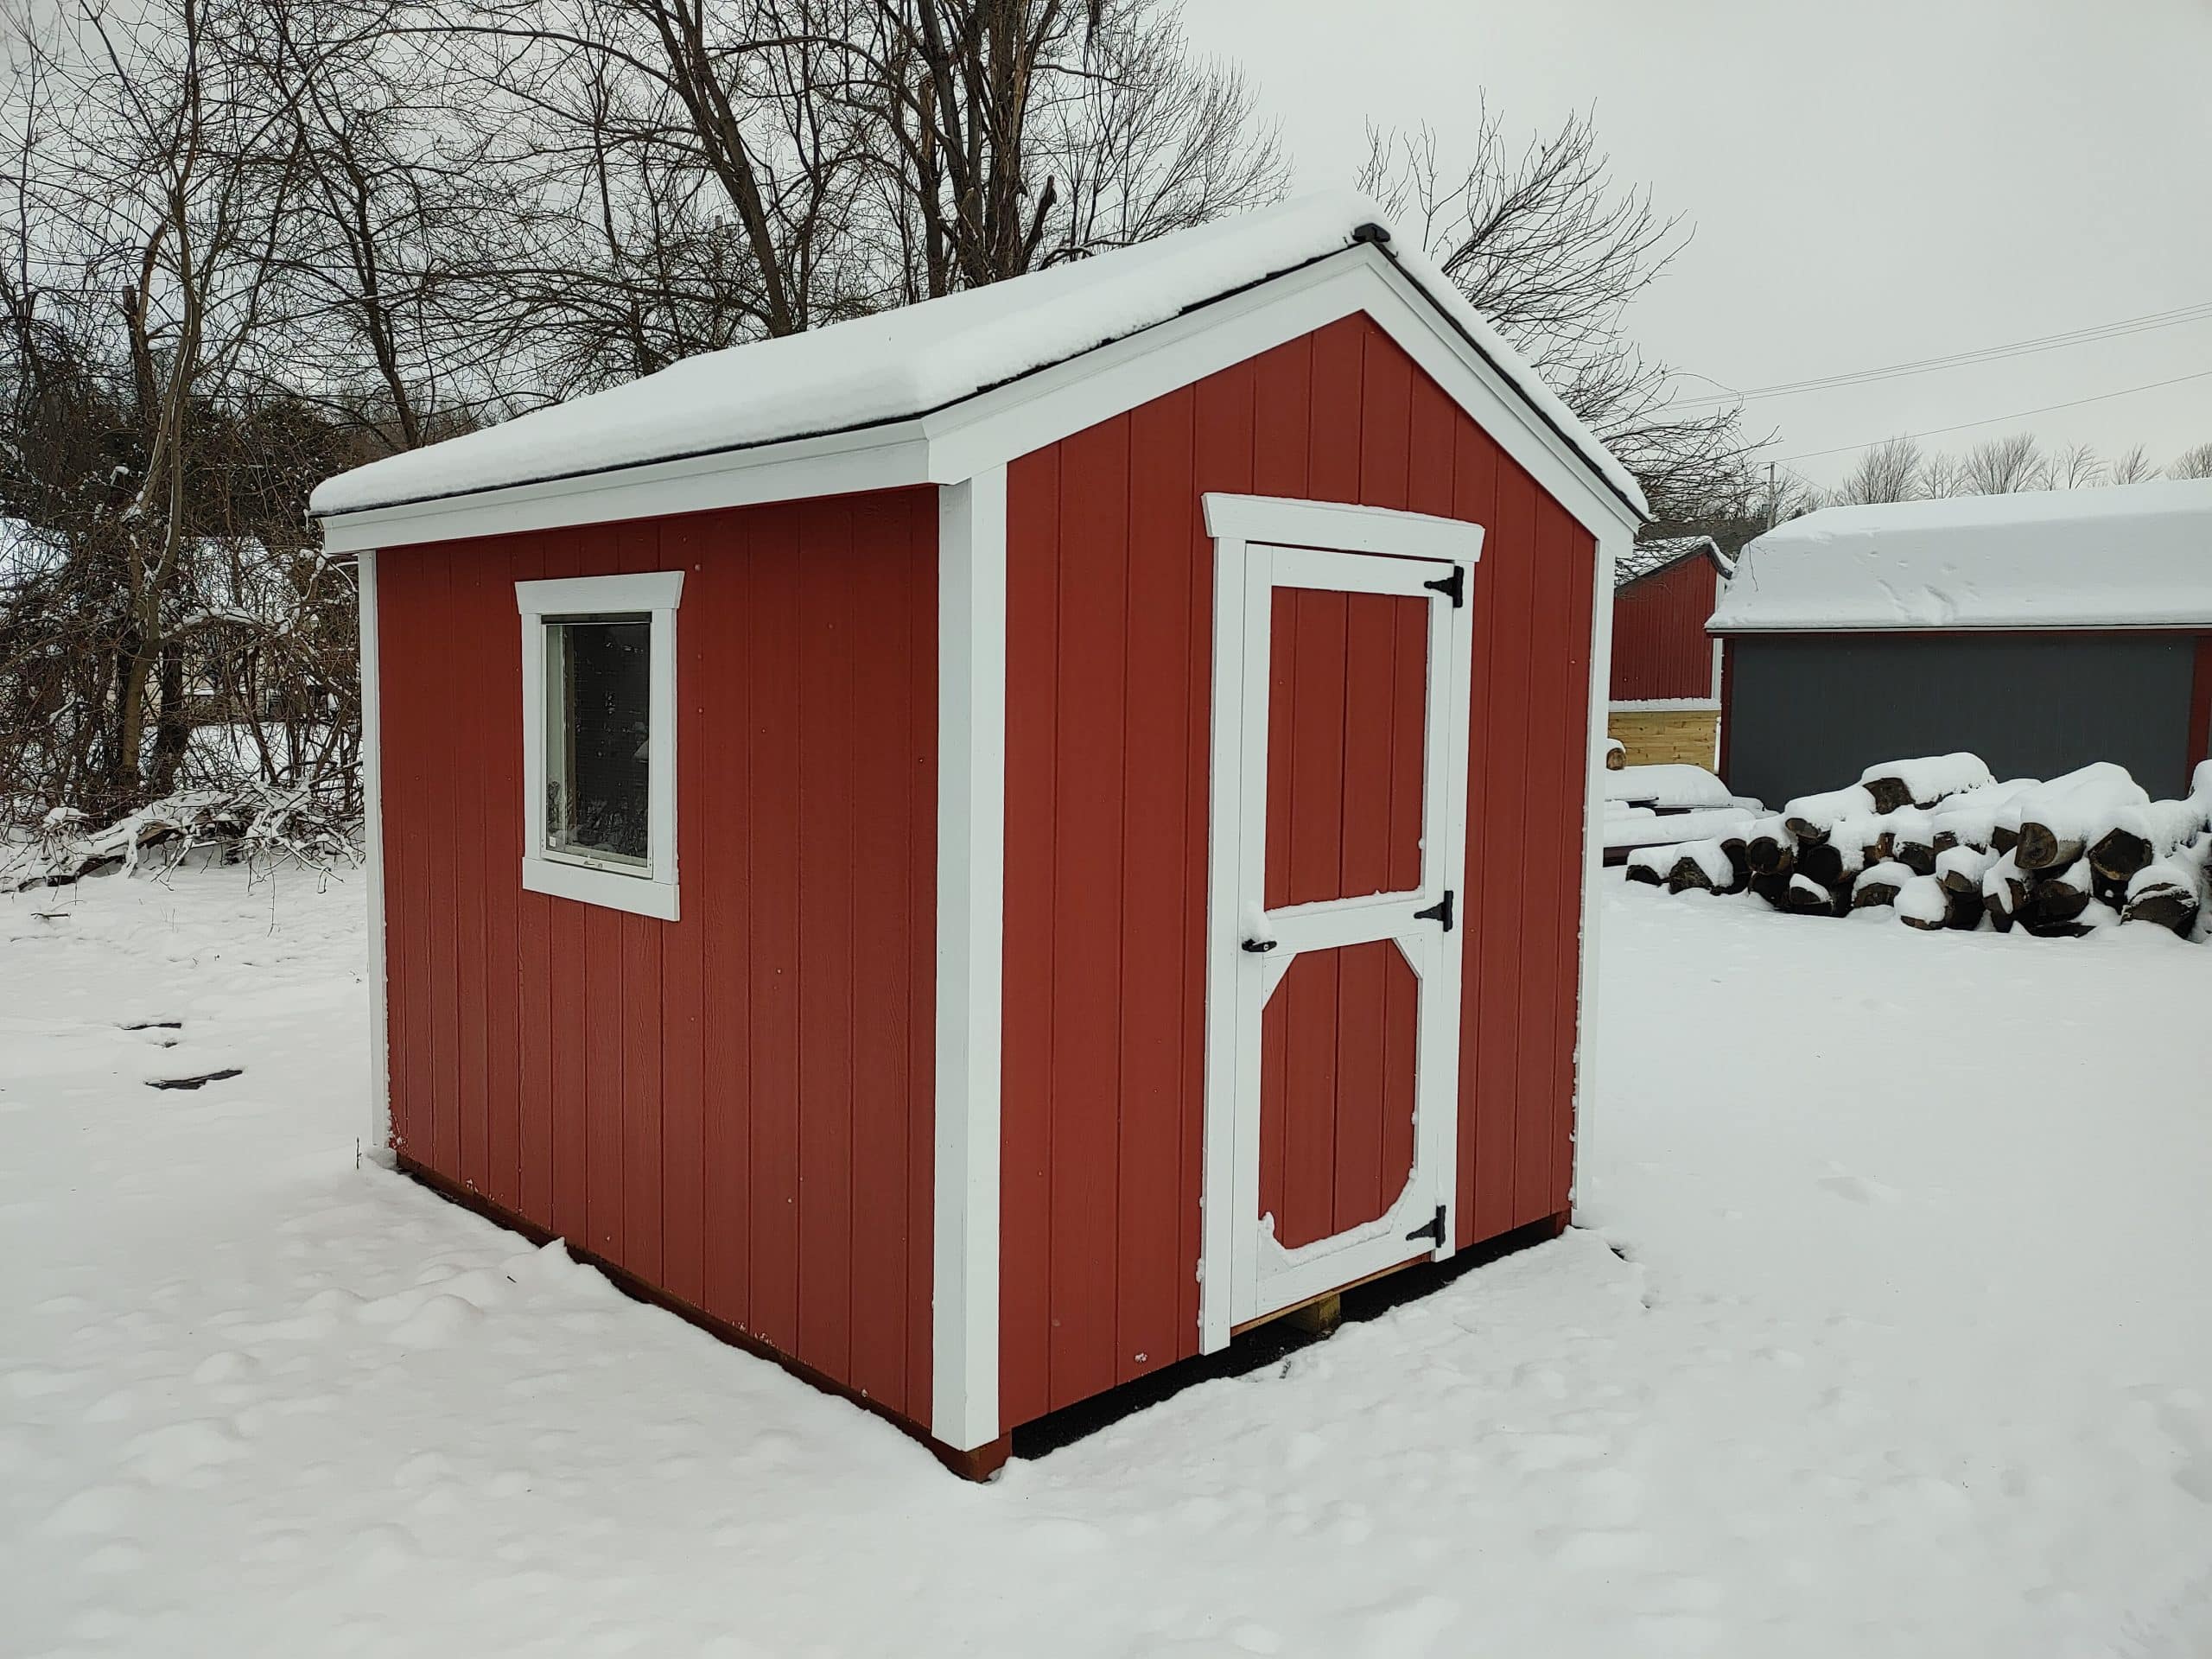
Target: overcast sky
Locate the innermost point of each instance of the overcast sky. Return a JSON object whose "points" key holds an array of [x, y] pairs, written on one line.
{"points": [[1872, 182]]}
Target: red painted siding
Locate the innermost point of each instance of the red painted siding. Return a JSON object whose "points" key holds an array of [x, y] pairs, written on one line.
{"points": [[1109, 618], [1660, 648], [736, 1106]]}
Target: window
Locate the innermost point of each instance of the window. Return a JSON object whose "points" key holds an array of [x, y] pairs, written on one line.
{"points": [[599, 730]]}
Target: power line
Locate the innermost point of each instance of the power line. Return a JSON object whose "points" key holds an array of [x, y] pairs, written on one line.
{"points": [[2017, 414], [2117, 330]]}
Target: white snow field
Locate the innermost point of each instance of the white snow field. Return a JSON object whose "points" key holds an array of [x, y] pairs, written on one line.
{"points": [[1890, 1334]]}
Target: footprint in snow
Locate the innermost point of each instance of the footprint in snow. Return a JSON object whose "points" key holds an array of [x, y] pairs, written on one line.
{"points": [[1859, 1189], [439, 1323]]}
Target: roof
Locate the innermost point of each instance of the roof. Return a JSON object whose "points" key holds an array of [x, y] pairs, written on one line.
{"points": [[906, 363], [1649, 558], [2132, 555]]}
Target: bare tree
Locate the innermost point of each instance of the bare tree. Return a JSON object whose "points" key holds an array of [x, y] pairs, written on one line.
{"points": [[2191, 463], [2076, 468], [395, 247], [1551, 250], [1891, 471], [163, 183], [2004, 466], [2131, 465], [1945, 474]]}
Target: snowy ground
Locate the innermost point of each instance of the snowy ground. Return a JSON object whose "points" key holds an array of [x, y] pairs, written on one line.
{"points": [[1910, 1353]]}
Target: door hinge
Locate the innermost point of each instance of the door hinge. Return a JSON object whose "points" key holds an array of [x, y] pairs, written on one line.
{"points": [[1438, 912], [1431, 1230], [1454, 587]]}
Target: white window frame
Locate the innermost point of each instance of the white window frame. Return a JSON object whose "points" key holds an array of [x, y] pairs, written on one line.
{"points": [[650, 891]]}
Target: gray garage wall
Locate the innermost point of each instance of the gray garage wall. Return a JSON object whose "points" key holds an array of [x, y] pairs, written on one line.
{"points": [[1810, 712]]}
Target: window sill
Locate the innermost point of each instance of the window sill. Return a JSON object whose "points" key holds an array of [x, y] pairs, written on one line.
{"points": [[640, 895]]}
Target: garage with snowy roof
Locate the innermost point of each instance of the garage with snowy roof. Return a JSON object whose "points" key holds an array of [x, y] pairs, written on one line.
{"points": [[982, 850], [2041, 631]]}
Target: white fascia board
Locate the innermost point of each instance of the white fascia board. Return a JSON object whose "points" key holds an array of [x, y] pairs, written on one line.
{"points": [[844, 463], [971, 955]]}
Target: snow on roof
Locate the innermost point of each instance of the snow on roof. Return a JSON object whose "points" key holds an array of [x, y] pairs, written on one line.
{"points": [[2131, 555], [901, 364], [1648, 558]]}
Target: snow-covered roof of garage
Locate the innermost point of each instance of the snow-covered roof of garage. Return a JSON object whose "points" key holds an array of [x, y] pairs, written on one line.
{"points": [[905, 363], [2131, 555]]}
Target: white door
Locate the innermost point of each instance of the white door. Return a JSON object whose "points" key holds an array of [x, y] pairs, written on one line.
{"points": [[1342, 644]]}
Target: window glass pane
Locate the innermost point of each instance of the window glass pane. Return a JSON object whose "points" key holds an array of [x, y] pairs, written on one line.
{"points": [[598, 731]]}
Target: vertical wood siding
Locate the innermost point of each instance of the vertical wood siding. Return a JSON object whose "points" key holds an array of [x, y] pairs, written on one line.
{"points": [[737, 1106], [2200, 704], [1109, 608], [1660, 648]]}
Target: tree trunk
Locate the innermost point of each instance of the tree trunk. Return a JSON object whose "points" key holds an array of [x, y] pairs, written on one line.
{"points": [[172, 730]]}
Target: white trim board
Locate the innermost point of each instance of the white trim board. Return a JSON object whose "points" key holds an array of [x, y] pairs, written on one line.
{"points": [[652, 891], [1287, 522], [1610, 546], [970, 958], [379, 1138], [994, 427]]}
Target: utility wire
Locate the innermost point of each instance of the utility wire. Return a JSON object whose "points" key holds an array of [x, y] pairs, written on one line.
{"points": [[2017, 414], [2124, 326]]}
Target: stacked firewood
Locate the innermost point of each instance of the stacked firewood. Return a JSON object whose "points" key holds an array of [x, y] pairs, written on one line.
{"points": [[1943, 844]]}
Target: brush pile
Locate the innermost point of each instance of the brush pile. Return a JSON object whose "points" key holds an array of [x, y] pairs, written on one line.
{"points": [[1942, 843]]}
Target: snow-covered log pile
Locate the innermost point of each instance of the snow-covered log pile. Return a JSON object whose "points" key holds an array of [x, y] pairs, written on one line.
{"points": [[1943, 844]]}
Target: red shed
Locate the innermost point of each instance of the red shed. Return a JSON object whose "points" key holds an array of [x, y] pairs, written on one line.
{"points": [[1015, 837], [1666, 676]]}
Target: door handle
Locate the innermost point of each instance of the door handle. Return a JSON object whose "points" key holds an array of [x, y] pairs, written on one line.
{"points": [[1259, 946]]}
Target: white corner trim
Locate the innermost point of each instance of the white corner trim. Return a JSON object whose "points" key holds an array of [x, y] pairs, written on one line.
{"points": [[1287, 522], [652, 890], [380, 1136], [1610, 548], [971, 947]]}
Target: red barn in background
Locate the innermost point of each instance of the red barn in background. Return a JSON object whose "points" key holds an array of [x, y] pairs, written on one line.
{"points": [[1666, 684], [950, 849]]}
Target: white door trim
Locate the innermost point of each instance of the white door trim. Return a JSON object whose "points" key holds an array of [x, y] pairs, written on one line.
{"points": [[1247, 573], [971, 949]]}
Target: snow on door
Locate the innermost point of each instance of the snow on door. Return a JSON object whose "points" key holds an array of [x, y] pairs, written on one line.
{"points": [[1338, 1029]]}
